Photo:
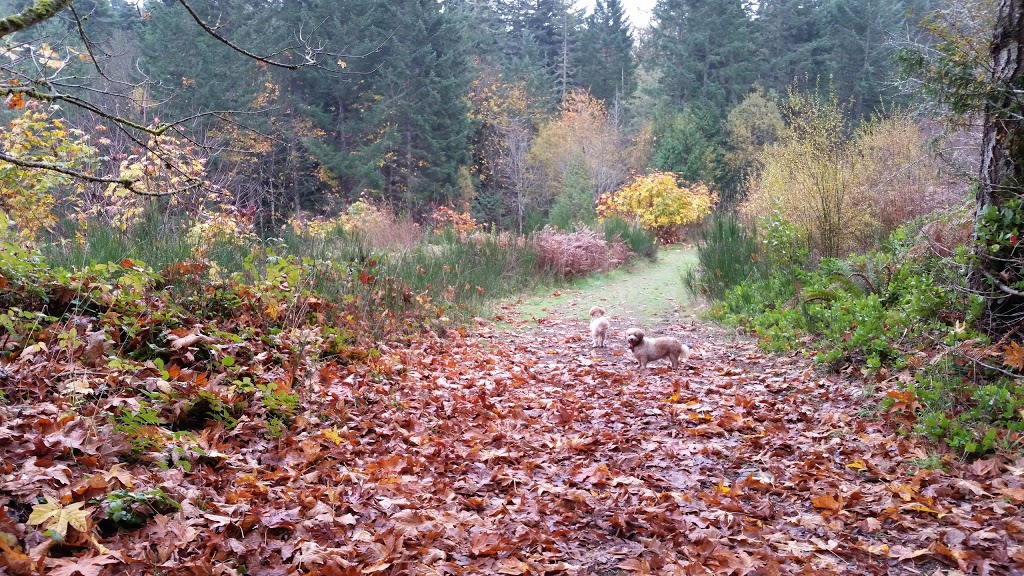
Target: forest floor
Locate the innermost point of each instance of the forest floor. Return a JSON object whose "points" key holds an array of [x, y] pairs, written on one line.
{"points": [[512, 447]]}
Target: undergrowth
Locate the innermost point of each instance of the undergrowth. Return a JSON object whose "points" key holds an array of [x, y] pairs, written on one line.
{"points": [[894, 315]]}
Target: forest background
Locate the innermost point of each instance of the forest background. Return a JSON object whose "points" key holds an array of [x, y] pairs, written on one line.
{"points": [[523, 113]]}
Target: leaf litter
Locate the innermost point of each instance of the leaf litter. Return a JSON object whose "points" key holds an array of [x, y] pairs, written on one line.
{"points": [[487, 451]]}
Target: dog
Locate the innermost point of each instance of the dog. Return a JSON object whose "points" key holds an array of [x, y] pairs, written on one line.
{"points": [[599, 326], [650, 349]]}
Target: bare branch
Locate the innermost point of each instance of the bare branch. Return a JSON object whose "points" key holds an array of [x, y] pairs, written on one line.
{"points": [[309, 57], [126, 182], [1001, 286], [39, 11]]}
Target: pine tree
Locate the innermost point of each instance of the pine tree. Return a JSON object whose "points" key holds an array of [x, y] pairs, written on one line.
{"points": [[204, 74], [704, 50], [416, 102], [606, 53], [792, 42], [860, 38]]}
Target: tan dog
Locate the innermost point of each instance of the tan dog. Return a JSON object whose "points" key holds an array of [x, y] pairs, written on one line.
{"points": [[599, 326], [650, 349]]}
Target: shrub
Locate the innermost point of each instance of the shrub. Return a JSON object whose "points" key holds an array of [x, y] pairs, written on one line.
{"points": [[727, 254], [374, 226], [882, 313], [462, 223], [640, 241], [658, 203], [846, 192], [577, 253], [784, 245]]}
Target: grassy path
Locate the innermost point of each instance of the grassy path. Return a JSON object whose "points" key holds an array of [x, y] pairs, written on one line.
{"points": [[646, 292]]}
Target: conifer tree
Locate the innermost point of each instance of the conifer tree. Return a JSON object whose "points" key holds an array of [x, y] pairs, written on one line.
{"points": [[606, 53], [704, 50], [416, 102]]}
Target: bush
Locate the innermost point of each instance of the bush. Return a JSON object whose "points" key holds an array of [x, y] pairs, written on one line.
{"points": [[885, 312], [577, 253], [846, 192], [641, 242], [784, 245], [727, 254], [659, 203]]}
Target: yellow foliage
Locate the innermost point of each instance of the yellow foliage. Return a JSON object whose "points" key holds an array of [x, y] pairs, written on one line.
{"points": [[584, 134], [166, 167], [845, 192], [28, 195], [221, 228], [658, 203], [52, 516], [361, 215]]}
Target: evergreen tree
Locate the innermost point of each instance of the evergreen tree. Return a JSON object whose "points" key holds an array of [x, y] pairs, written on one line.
{"points": [[416, 102], [690, 144], [792, 43], [204, 74], [860, 38], [606, 53], [543, 37], [704, 50]]}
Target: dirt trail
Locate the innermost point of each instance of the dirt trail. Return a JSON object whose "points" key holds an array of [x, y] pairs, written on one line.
{"points": [[738, 463], [511, 447]]}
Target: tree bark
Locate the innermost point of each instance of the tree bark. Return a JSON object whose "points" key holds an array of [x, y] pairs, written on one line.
{"points": [[1002, 166]]}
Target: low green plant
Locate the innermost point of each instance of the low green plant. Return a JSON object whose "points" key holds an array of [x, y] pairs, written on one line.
{"points": [[929, 462], [142, 427], [279, 403], [875, 312], [640, 240], [130, 510], [785, 246]]}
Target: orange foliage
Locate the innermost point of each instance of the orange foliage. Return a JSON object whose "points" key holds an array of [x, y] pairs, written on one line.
{"points": [[461, 222]]}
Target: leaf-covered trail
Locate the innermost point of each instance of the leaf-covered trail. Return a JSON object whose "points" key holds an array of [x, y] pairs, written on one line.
{"points": [[737, 463], [512, 448]]}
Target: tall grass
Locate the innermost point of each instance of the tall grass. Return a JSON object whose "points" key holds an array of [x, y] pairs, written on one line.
{"points": [[456, 276], [640, 241], [155, 242], [726, 255]]}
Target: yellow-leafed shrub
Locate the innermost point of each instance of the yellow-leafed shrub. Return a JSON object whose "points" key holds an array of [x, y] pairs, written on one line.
{"points": [[846, 191], [658, 203]]}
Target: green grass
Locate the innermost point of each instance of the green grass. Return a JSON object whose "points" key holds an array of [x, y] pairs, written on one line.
{"points": [[645, 291]]}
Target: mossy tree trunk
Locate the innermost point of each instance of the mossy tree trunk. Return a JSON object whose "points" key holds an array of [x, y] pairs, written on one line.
{"points": [[997, 272]]}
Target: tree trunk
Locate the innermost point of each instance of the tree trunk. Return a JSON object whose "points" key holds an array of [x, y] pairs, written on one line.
{"points": [[1002, 163]]}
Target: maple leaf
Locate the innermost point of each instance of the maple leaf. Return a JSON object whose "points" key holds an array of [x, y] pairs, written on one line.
{"points": [[826, 502], [917, 506], [52, 516], [178, 341], [1013, 356], [332, 434], [86, 566]]}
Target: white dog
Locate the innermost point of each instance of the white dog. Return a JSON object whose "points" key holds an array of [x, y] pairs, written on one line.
{"points": [[650, 349], [599, 326]]}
